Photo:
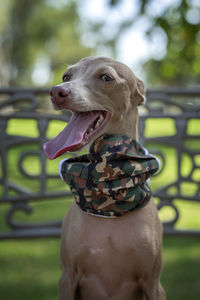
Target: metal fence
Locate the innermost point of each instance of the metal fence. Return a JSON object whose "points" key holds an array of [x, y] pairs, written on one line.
{"points": [[169, 126]]}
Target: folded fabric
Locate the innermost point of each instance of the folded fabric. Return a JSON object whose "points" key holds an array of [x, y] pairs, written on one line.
{"points": [[111, 179]]}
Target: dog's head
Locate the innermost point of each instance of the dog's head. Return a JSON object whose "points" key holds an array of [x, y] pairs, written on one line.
{"points": [[103, 95]]}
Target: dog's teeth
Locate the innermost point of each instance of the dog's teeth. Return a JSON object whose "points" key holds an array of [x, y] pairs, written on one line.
{"points": [[91, 129], [101, 118], [97, 124]]}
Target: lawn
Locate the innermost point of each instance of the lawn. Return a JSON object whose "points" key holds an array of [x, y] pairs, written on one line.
{"points": [[30, 269]]}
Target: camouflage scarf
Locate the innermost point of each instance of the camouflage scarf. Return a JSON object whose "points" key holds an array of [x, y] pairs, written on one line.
{"points": [[111, 179]]}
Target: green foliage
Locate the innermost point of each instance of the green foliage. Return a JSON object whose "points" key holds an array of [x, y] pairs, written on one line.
{"points": [[47, 34], [38, 32], [178, 25], [181, 64]]}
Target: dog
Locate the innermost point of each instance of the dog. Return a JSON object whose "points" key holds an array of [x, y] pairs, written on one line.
{"points": [[105, 258]]}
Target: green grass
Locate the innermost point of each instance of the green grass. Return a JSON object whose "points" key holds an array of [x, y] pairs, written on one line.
{"points": [[180, 278], [30, 269]]}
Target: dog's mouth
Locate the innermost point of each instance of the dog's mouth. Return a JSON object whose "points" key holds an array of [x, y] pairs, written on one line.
{"points": [[78, 132]]}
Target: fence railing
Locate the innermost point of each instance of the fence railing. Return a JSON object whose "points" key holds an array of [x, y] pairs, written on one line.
{"points": [[169, 126]]}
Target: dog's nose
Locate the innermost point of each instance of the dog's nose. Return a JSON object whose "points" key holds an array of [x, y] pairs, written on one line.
{"points": [[58, 94]]}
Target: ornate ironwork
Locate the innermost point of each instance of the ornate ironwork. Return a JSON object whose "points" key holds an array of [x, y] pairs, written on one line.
{"points": [[20, 187]]}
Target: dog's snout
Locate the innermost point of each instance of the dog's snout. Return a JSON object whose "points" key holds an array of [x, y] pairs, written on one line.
{"points": [[59, 94]]}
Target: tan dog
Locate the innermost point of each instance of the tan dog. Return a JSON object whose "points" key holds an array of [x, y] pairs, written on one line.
{"points": [[105, 258]]}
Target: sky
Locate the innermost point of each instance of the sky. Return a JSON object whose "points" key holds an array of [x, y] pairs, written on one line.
{"points": [[133, 47]]}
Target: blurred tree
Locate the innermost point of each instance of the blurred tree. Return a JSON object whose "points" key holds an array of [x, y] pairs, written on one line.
{"points": [[179, 26], [38, 38], [181, 64]]}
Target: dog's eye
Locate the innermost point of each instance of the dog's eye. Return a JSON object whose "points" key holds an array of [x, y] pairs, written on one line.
{"points": [[66, 77], [105, 77]]}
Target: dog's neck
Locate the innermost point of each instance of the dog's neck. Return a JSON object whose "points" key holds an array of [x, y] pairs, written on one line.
{"points": [[134, 126], [126, 125]]}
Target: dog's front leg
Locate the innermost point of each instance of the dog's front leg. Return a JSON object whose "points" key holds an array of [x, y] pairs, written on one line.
{"points": [[67, 289]]}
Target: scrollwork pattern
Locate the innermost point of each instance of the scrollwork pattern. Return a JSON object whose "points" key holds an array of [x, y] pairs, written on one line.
{"points": [[181, 106]]}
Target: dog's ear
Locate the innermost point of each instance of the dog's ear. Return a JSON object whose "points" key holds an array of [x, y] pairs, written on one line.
{"points": [[140, 92]]}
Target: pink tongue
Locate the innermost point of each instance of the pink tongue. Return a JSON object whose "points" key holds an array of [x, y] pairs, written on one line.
{"points": [[71, 136]]}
